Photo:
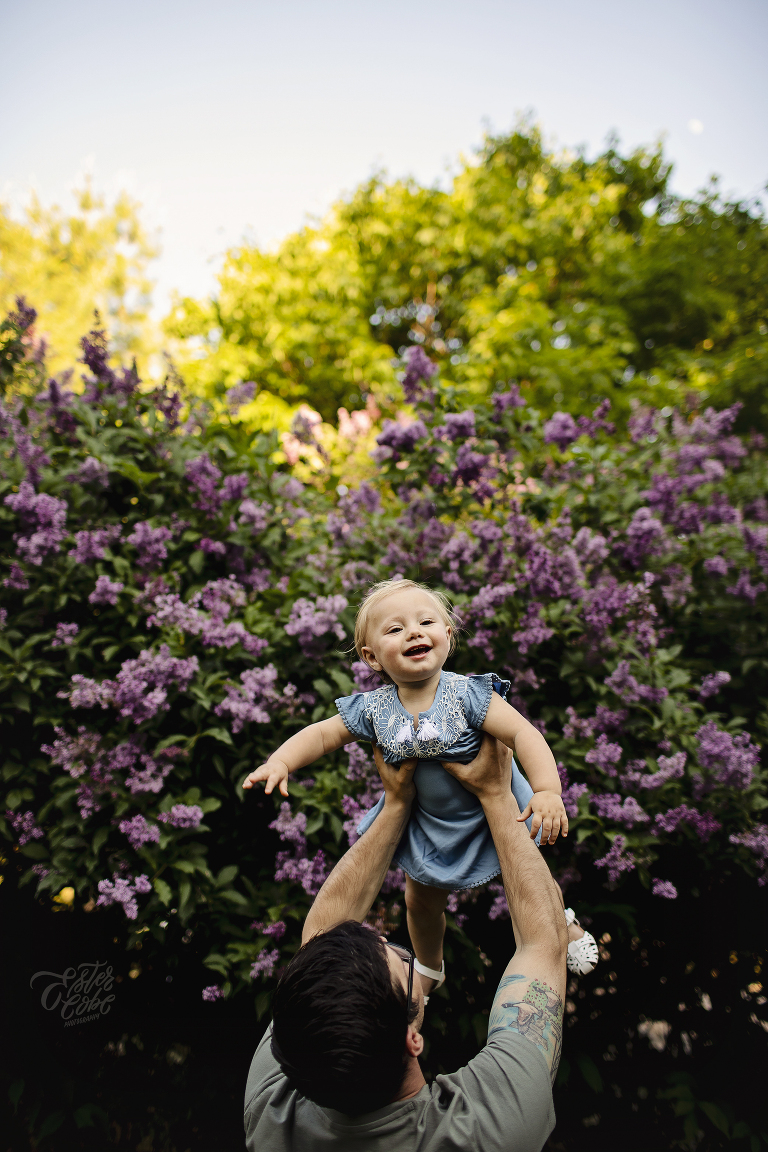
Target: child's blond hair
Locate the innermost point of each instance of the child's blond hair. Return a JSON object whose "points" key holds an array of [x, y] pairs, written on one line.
{"points": [[384, 588]]}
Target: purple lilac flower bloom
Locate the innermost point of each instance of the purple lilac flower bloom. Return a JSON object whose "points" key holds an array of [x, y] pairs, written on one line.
{"points": [[240, 394], [310, 873], [69, 751], [678, 585], [562, 430], [65, 635], [204, 477], [290, 827], [499, 909], [617, 860], [140, 690], [123, 890], [489, 599], [255, 515], [703, 823], [643, 423], [577, 727], [591, 425], [150, 543], [212, 547], [309, 622], [16, 579], [628, 812], [366, 680], [276, 930], [247, 702], [24, 316], [234, 487], [604, 755], [458, 425], [670, 768], [570, 798], [629, 690], [665, 889], [90, 546], [213, 992], [402, 437], [3, 618], [504, 400], [716, 566], [93, 471], [532, 629], [44, 521], [644, 536], [105, 591], [711, 685], [732, 759], [590, 547], [743, 587], [139, 831], [265, 963], [182, 816], [419, 368], [756, 840], [471, 465], [24, 825]]}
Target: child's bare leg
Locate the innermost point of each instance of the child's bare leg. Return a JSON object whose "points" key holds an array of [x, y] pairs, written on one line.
{"points": [[426, 925]]}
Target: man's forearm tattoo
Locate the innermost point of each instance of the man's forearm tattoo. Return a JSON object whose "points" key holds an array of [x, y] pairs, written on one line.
{"points": [[533, 1009]]}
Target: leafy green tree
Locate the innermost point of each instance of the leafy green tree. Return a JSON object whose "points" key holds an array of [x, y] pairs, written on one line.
{"points": [[580, 279], [93, 259]]}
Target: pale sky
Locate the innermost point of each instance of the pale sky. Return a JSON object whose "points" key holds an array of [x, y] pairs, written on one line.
{"points": [[240, 118]]}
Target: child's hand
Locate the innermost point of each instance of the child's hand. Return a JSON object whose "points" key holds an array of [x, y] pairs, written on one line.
{"points": [[548, 814], [272, 773]]}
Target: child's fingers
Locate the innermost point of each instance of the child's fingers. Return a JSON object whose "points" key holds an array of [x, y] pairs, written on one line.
{"points": [[260, 773], [546, 829], [564, 825], [524, 815], [283, 787], [554, 831], [535, 825]]}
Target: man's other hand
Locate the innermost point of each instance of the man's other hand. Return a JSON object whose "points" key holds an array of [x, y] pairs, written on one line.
{"points": [[396, 778], [490, 773]]}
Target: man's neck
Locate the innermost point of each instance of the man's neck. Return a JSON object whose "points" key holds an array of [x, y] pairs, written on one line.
{"points": [[413, 1081]]}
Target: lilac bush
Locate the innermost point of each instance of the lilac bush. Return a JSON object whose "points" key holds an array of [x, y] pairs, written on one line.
{"points": [[176, 604]]}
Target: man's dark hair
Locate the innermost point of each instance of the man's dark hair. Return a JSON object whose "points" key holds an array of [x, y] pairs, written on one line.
{"points": [[339, 1023]]}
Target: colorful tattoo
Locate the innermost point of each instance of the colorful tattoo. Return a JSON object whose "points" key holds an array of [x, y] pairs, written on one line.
{"points": [[536, 1012]]}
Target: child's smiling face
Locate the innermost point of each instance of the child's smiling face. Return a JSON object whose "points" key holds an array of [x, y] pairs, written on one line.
{"points": [[407, 637]]}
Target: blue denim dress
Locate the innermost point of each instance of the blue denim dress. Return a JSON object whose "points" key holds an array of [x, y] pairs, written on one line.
{"points": [[447, 843]]}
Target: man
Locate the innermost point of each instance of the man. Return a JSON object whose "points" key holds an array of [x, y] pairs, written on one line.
{"points": [[339, 1068]]}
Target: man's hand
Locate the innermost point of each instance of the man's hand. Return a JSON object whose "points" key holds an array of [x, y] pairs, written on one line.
{"points": [[272, 773], [548, 814], [490, 773], [396, 778]]}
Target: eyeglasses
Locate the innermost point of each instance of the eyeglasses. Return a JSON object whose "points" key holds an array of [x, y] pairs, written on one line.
{"points": [[408, 958]]}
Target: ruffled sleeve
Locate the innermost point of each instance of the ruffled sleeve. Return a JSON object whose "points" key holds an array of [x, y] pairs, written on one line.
{"points": [[478, 696], [353, 711]]}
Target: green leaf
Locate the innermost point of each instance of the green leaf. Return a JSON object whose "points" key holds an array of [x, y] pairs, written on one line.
{"points": [[234, 896], [183, 866], [34, 851], [211, 804], [589, 1071], [21, 701], [314, 823], [50, 1125], [717, 1117], [220, 734], [163, 890], [323, 688], [227, 875], [195, 561]]}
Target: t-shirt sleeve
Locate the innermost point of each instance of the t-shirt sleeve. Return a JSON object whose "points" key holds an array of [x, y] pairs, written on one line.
{"points": [[352, 710], [266, 1091], [501, 1100], [478, 694]]}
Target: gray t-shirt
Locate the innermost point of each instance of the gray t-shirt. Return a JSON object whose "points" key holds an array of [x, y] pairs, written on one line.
{"points": [[500, 1102]]}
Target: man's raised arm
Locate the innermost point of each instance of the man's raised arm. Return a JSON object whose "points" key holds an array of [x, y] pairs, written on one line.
{"points": [[355, 882], [530, 996]]}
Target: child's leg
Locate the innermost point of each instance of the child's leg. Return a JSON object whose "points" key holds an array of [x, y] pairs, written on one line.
{"points": [[426, 925]]}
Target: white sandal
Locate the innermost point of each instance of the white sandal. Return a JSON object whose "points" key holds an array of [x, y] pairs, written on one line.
{"points": [[583, 954], [437, 974]]}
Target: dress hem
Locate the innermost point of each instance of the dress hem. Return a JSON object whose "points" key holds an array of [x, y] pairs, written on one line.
{"points": [[450, 887]]}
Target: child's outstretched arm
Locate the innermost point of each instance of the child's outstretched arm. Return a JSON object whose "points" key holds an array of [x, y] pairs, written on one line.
{"points": [[535, 756], [300, 750]]}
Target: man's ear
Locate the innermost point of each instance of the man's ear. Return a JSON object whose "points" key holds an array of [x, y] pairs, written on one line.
{"points": [[369, 656], [414, 1042]]}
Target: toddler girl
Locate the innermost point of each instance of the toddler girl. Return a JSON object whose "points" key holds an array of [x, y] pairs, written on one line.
{"points": [[406, 632]]}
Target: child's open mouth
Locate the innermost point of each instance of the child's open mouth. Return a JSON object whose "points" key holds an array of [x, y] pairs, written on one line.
{"points": [[421, 650]]}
